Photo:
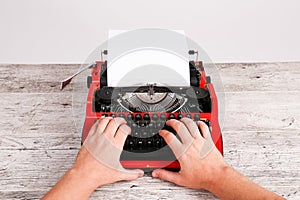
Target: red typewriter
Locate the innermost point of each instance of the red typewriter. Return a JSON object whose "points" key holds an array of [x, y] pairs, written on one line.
{"points": [[144, 148]]}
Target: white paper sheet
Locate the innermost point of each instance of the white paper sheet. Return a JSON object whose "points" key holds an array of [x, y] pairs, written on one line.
{"points": [[147, 65]]}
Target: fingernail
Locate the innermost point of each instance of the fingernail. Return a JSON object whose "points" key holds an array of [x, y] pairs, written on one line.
{"points": [[160, 132], [141, 173], [154, 174]]}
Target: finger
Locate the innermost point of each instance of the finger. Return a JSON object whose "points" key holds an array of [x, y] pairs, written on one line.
{"points": [[122, 134], [94, 128], [165, 175], [113, 126], [131, 174], [191, 126], [102, 123], [204, 129], [181, 130], [172, 141]]}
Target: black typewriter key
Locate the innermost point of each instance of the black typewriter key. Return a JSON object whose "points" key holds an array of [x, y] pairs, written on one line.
{"points": [[163, 117], [136, 134], [146, 117], [104, 115], [113, 115], [159, 125], [122, 115], [130, 116], [140, 143], [152, 133], [107, 108], [159, 143], [145, 134], [155, 117], [141, 123], [196, 117], [150, 125], [149, 143], [171, 116], [138, 117], [131, 144], [179, 116], [188, 116]]}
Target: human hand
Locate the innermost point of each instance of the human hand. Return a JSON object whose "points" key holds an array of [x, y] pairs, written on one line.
{"points": [[100, 153], [199, 159]]}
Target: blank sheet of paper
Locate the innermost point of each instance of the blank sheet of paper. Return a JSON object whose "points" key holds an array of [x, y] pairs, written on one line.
{"points": [[148, 63]]}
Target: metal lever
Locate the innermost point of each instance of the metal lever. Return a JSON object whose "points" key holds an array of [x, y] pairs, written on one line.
{"points": [[192, 52], [68, 80]]}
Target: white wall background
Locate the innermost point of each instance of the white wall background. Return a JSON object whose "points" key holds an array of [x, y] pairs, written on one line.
{"points": [[56, 31]]}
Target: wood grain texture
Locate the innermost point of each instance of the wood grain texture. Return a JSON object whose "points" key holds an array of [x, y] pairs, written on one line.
{"points": [[39, 141]]}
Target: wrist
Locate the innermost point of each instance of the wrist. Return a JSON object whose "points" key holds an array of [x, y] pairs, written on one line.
{"points": [[85, 177], [217, 176]]}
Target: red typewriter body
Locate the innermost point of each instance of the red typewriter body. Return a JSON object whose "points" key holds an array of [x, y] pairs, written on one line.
{"points": [[97, 81]]}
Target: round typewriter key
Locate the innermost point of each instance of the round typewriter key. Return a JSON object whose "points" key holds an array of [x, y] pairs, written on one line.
{"points": [[136, 134], [188, 116], [113, 115], [163, 116], [159, 125], [130, 116], [149, 143], [158, 143], [146, 117], [171, 116], [150, 125], [155, 117], [121, 115], [138, 117], [105, 115], [142, 123], [131, 144], [140, 143], [196, 117], [107, 108], [145, 134], [179, 116], [152, 133]]}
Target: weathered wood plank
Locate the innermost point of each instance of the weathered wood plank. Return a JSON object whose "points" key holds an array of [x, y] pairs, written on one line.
{"points": [[235, 77], [36, 112], [262, 111], [34, 78], [238, 77]]}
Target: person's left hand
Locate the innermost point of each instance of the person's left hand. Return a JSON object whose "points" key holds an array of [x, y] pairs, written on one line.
{"points": [[99, 156]]}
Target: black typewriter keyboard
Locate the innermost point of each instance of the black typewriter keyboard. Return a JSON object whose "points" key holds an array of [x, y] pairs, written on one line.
{"points": [[144, 136]]}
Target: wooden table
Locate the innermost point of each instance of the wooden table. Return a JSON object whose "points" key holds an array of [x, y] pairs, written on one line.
{"points": [[38, 139]]}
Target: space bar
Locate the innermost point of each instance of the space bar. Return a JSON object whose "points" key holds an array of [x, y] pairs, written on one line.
{"points": [[165, 154]]}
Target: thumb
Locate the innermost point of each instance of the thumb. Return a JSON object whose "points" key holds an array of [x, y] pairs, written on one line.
{"points": [[131, 174], [165, 175]]}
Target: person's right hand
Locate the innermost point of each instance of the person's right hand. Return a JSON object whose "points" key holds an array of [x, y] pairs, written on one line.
{"points": [[197, 170]]}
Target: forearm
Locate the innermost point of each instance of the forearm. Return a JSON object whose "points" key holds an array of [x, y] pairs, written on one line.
{"points": [[230, 184], [73, 185]]}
